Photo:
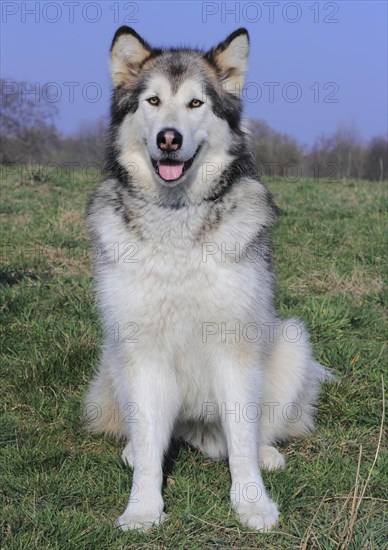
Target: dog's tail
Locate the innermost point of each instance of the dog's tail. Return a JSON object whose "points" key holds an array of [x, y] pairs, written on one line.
{"points": [[291, 385]]}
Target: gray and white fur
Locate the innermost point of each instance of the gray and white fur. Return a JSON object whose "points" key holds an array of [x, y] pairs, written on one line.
{"points": [[193, 347]]}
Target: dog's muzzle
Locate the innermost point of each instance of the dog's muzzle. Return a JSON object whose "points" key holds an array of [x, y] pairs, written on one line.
{"points": [[170, 169]]}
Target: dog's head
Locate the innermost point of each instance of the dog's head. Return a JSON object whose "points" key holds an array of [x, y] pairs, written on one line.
{"points": [[176, 112]]}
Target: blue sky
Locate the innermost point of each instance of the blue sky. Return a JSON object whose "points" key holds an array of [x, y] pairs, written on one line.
{"points": [[313, 65]]}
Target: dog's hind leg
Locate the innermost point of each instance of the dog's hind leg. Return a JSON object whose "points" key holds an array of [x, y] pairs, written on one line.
{"points": [[270, 458], [100, 406], [291, 385], [208, 438]]}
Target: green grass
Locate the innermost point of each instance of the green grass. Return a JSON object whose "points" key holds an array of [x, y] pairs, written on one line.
{"points": [[62, 488]]}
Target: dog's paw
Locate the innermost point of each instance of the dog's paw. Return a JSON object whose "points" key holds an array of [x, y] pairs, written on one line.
{"points": [[142, 522], [261, 516], [127, 455], [270, 458]]}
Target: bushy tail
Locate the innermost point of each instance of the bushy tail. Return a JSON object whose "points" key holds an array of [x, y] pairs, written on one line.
{"points": [[291, 385]]}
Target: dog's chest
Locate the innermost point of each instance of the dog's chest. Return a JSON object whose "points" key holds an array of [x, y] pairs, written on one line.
{"points": [[169, 275], [168, 291]]}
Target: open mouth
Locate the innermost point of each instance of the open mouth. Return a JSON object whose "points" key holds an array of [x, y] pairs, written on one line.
{"points": [[172, 170]]}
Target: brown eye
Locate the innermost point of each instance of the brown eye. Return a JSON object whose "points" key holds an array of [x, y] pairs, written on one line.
{"points": [[154, 101], [194, 103]]}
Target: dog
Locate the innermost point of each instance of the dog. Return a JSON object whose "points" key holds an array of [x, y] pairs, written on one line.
{"points": [[193, 348]]}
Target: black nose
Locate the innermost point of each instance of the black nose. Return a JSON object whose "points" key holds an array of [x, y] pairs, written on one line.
{"points": [[169, 139]]}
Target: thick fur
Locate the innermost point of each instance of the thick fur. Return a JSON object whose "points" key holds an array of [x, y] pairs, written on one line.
{"points": [[193, 347]]}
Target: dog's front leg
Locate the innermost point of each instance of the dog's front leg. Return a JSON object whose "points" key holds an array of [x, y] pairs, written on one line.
{"points": [[238, 406], [151, 391]]}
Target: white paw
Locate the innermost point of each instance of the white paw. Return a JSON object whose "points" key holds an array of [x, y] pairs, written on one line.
{"points": [[261, 515], [127, 455], [142, 522], [270, 458]]}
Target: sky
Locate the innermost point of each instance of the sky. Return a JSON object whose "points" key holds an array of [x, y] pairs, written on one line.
{"points": [[313, 65]]}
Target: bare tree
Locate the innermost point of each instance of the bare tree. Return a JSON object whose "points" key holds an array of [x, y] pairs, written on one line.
{"points": [[376, 160], [276, 154], [28, 132], [340, 155], [347, 151], [86, 146]]}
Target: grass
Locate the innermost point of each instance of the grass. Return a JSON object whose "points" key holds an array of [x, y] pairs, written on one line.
{"points": [[62, 488]]}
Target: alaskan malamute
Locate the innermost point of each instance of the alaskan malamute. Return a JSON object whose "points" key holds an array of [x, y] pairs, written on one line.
{"points": [[193, 347]]}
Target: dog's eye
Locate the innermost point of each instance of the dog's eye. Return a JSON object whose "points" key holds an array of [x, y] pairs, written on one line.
{"points": [[194, 103], [154, 100]]}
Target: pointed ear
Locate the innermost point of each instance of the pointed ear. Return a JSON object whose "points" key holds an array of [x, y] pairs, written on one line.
{"points": [[231, 59], [128, 51]]}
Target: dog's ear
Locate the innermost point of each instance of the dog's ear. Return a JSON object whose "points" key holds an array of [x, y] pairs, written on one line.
{"points": [[127, 53], [231, 60]]}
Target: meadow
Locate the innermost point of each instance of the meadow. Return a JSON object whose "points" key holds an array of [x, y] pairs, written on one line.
{"points": [[62, 488]]}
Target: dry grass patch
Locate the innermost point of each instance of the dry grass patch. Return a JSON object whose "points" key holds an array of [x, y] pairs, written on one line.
{"points": [[360, 283]]}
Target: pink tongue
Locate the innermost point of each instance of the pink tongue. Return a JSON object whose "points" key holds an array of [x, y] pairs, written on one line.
{"points": [[170, 171]]}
